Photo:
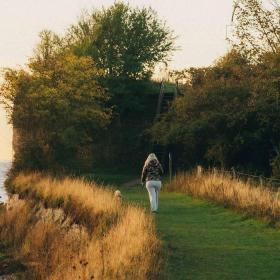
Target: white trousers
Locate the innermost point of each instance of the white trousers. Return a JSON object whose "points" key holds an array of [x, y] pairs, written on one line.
{"points": [[153, 188]]}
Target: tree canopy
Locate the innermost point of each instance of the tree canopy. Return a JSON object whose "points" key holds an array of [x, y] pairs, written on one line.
{"points": [[257, 27], [229, 116], [57, 104], [123, 41]]}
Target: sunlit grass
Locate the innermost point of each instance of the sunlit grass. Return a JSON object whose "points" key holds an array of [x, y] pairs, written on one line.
{"points": [[256, 201], [82, 231]]}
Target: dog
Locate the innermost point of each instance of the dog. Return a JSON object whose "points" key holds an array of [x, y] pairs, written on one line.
{"points": [[118, 195]]}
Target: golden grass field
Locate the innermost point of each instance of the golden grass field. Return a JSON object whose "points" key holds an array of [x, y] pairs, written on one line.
{"points": [[72, 229], [256, 201]]}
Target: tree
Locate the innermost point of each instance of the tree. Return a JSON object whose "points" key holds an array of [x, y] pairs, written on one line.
{"points": [[57, 105], [257, 29], [229, 116], [123, 41]]}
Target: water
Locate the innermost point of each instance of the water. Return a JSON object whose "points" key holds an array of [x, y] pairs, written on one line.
{"points": [[4, 168]]}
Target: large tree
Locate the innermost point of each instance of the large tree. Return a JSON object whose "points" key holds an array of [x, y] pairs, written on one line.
{"points": [[124, 41], [57, 105]]}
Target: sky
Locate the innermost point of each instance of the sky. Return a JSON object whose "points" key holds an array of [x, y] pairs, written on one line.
{"points": [[200, 27]]}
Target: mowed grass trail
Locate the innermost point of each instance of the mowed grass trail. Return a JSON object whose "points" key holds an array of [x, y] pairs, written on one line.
{"points": [[205, 241]]}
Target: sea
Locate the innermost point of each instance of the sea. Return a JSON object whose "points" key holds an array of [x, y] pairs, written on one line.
{"points": [[4, 168]]}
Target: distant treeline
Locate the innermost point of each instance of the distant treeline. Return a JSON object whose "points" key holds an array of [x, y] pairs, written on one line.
{"points": [[87, 99]]}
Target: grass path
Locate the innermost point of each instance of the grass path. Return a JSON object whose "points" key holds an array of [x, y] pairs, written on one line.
{"points": [[205, 241]]}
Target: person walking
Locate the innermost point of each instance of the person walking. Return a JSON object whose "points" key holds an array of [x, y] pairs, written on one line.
{"points": [[151, 174]]}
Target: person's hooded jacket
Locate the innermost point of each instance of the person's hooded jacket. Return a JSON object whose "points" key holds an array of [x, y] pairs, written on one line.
{"points": [[152, 171]]}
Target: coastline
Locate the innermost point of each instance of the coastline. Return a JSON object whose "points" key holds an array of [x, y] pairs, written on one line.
{"points": [[4, 169]]}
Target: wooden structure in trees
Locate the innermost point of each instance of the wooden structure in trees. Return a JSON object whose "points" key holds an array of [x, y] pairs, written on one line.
{"points": [[167, 93]]}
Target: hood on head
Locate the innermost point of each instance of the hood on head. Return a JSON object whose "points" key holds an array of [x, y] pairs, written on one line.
{"points": [[153, 162]]}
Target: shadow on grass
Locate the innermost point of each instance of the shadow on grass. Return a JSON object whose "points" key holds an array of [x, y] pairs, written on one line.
{"points": [[9, 265]]}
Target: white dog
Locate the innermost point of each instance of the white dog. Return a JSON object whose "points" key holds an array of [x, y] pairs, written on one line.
{"points": [[118, 195]]}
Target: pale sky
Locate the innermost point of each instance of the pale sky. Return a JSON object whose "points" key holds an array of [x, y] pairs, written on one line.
{"points": [[199, 24]]}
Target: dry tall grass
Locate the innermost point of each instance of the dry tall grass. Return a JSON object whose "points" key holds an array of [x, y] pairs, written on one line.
{"points": [[255, 201], [86, 234]]}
